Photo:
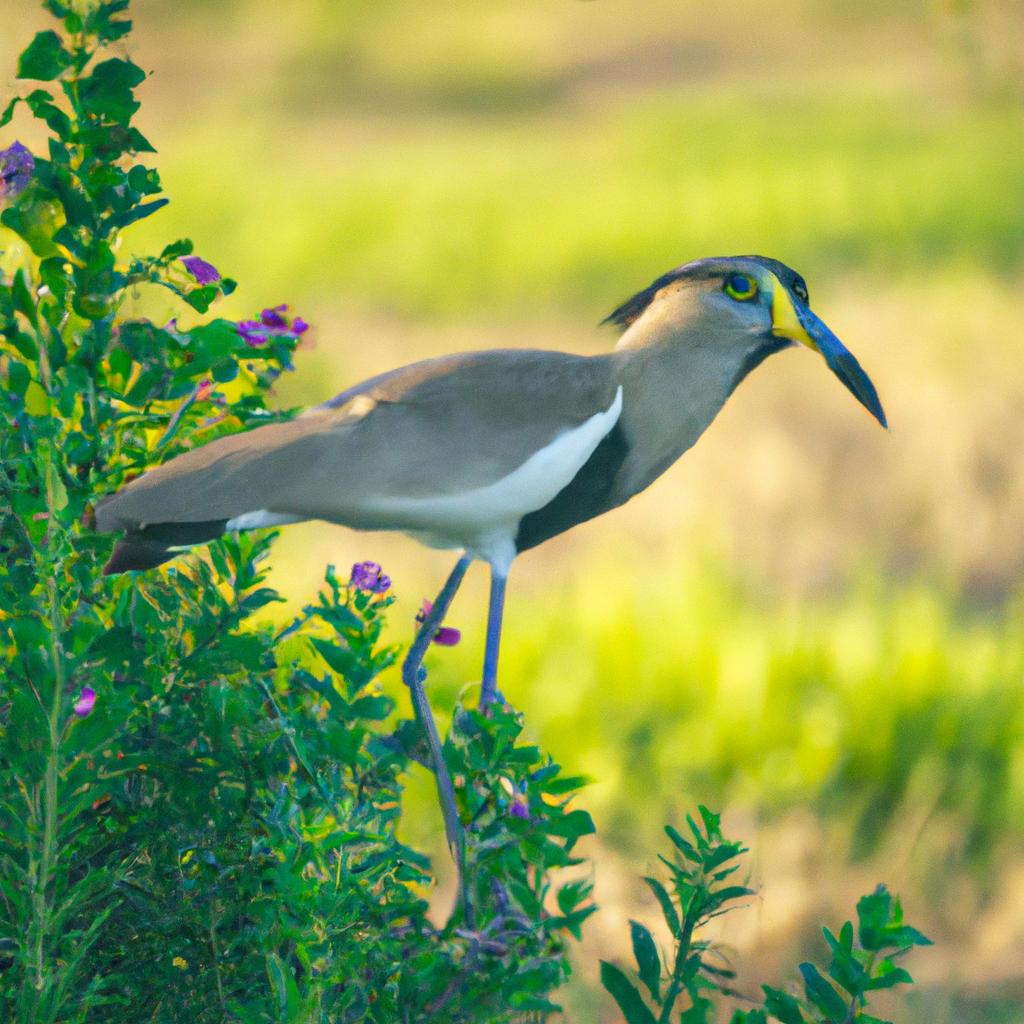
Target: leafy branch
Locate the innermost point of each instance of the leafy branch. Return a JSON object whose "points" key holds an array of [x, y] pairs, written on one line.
{"points": [[698, 893]]}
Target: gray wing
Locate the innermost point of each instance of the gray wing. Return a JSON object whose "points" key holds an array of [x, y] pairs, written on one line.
{"points": [[430, 429]]}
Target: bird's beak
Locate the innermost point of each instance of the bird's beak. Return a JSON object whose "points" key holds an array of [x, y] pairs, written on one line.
{"points": [[793, 319]]}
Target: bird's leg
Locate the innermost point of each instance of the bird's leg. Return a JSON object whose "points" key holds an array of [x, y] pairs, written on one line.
{"points": [[413, 675], [489, 688]]}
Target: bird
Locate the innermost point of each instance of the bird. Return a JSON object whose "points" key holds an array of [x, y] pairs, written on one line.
{"points": [[493, 452]]}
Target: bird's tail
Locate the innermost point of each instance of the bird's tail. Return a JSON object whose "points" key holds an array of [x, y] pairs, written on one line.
{"points": [[156, 543]]}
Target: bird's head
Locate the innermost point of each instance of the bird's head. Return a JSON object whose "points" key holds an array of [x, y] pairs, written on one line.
{"points": [[750, 307]]}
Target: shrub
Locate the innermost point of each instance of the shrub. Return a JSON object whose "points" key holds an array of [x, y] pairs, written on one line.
{"points": [[692, 979], [198, 811]]}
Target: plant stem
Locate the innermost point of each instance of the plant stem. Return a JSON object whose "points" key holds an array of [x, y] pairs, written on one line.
{"points": [[411, 675], [682, 953], [48, 852]]}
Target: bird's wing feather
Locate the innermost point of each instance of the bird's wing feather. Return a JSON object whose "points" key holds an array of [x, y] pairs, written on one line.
{"points": [[441, 427]]}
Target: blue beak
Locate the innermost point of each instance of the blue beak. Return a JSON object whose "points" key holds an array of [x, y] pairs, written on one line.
{"points": [[793, 319], [842, 362]]}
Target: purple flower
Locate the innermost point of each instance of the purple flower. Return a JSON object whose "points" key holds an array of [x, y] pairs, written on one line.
{"points": [[203, 272], [253, 333], [272, 317], [446, 636], [16, 167], [273, 323], [519, 808], [369, 576], [85, 702]]}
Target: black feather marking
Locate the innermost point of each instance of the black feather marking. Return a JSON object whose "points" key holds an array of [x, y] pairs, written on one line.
{"points": [[630, 310], [590, 493]]}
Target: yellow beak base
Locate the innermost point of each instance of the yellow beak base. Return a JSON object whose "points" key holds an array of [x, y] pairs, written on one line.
{"points": [[785, 322]]}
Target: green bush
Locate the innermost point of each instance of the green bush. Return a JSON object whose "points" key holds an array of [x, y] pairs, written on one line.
{"points": [[198, 812], [695, 975]]}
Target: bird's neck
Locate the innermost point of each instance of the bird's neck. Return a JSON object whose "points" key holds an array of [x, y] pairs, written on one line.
{"points": [[675, 377]]}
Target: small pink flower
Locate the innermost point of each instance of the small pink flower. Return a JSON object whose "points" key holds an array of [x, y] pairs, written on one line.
{"points": [[204, 390], [446, 636], [86, 700]]}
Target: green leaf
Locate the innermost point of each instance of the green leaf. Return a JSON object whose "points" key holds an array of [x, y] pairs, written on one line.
{"points": [[625, 994], [374, 708], [40, 102], [57, 494], [344, 661], [182, 247], [8, 111], [880, 923], [18, 377], [143, 210], [37, 402], [686, 848], [22, 296], [721, 854], [712, 823], [201, 298], [699, 1011], [44, 58], [572, 825], [822, 994], [647, 960], [107, 92], [144, 180], [102, 21], [668, 910], [36, 223], [782, 1006], [285, 989], [889, 977], [729, 893], [566, 784]]}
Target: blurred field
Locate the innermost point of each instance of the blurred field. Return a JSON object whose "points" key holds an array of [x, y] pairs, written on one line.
{"points": [[811, 624]]}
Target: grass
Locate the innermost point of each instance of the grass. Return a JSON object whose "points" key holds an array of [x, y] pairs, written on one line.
{"points": [[566, 214]]}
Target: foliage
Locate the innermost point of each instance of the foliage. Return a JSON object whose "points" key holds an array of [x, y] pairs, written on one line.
{"points": [[700, 891], [197, 811]]}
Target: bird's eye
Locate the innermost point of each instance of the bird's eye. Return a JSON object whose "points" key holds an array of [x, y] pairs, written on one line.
{"points": [[741, 287], [800, 291]]}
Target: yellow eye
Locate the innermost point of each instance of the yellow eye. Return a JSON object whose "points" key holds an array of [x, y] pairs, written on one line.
{"points": [[741, 287]]}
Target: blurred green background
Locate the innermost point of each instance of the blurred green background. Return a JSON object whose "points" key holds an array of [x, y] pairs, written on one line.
{"points": [[811, 624]]}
